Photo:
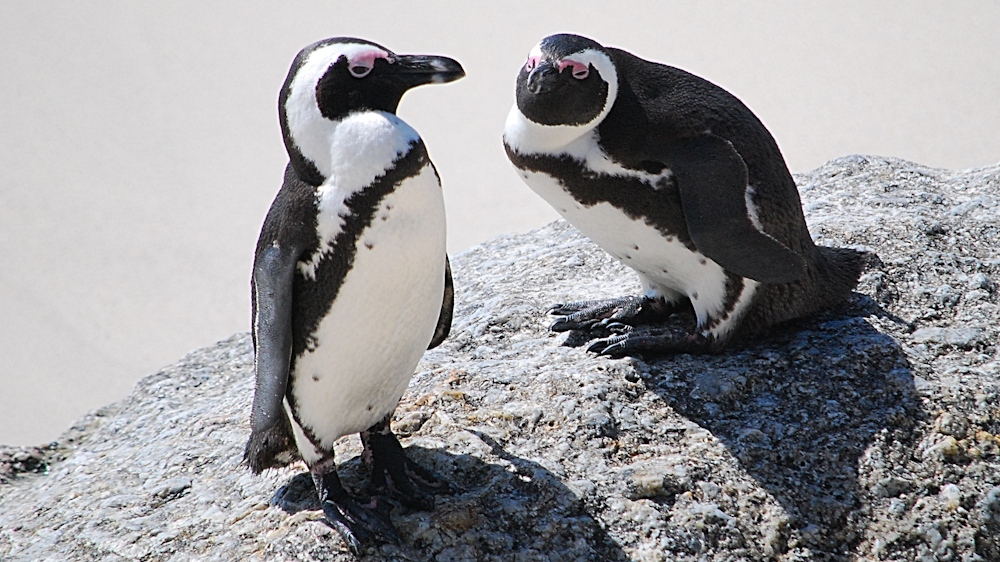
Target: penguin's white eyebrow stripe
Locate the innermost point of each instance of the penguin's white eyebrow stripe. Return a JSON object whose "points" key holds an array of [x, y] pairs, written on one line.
{"points": [[357, 54], [591, 57]]}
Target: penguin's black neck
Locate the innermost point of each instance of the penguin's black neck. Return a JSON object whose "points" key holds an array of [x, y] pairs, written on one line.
{"points": [[304, 167]]}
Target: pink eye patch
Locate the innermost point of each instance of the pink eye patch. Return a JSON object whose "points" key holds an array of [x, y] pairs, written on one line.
{"points": [[578, 69], [532, 63], [361, 63]]}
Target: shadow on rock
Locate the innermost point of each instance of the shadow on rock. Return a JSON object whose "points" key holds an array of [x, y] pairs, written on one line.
{"points": [[798, 410], [512, 509]]}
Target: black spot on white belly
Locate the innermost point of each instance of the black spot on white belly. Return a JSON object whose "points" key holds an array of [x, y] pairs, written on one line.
{"points": [[369, 245], [315, 294]]}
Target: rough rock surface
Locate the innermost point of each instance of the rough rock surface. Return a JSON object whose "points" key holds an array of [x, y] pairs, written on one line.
{"points": [[870, 432]]}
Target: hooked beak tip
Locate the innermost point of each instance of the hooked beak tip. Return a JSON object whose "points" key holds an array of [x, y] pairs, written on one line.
{"points": [[426, 69]]}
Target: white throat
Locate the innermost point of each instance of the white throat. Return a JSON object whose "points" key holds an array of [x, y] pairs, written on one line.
{"points": [[359, 148], [528, 137], [319, 139]]}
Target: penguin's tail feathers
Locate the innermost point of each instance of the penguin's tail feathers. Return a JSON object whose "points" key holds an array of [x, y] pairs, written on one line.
{"points": [[273, 447], [841, 269]]}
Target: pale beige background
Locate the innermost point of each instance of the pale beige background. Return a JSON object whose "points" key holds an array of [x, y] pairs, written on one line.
{"points": [[139, 147]]}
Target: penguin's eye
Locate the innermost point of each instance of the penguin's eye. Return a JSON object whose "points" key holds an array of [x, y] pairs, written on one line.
{"points": [[359, 70], [531, 64], [579, 70]]}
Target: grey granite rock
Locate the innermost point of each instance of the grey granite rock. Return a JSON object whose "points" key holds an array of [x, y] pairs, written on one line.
{"points": [[869, 432]]}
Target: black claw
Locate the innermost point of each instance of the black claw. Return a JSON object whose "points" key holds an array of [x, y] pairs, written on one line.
{"points": [[598, 316], [600, 346], [361, 523], [618, 328], [615, 351], [361, 526], [557, 310], [559, 326], [641, 340], [567, 308], [566, 324]]}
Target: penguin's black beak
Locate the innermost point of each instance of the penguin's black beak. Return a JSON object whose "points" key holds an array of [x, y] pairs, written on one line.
{"points": [[416, 70], [543, 79]]}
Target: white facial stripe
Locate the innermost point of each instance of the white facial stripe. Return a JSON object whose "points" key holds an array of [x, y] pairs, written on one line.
{"points": [[528, 137], [605, 67], [307, 126]]}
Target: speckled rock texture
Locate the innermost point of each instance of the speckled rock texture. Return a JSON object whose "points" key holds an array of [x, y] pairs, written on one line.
{"points": [[871, 432]]}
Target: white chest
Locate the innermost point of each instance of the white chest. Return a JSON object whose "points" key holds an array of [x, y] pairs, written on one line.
{"points": [[383, 318], [665, 266]]}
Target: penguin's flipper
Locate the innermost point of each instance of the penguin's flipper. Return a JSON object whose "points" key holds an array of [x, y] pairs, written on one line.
{"points": [[271, 439], [447, 308], [712, 180]]}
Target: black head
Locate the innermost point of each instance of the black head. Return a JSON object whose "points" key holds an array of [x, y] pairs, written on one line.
{"points": [[333, 78], [567, 80]]}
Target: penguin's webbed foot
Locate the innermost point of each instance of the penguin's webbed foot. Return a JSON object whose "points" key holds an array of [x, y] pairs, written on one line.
{"points": [[613, 316], [394, 475], [653, 340], [362, 523]]}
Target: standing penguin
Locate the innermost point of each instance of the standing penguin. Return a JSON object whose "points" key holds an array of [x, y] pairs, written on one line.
{"points": [[677, 179], [351, 282]]}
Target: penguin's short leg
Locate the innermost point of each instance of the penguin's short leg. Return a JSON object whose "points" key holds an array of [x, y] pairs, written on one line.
{"points": [[393, 474], [613, 315], [655, 340], [361, 522]]}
